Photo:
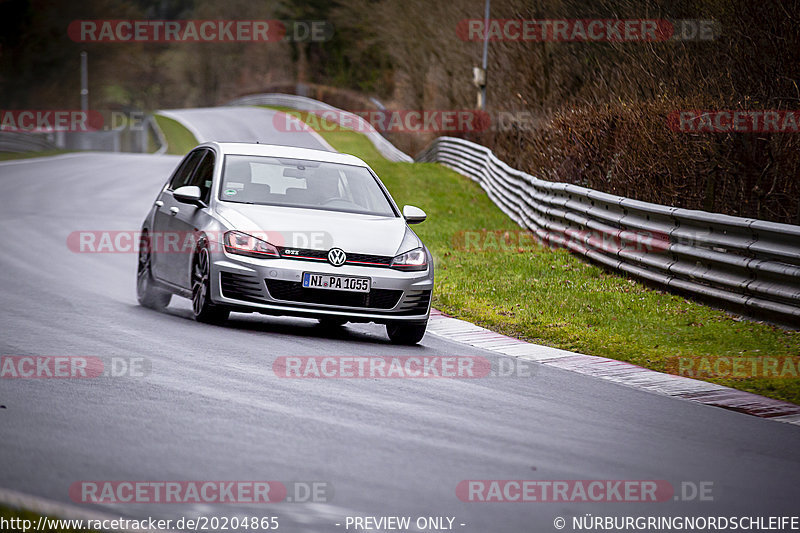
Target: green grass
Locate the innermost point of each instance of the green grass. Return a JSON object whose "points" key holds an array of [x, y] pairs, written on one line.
{"points": [[9, 513], [179, 139], [7, 156], [553, 298]]}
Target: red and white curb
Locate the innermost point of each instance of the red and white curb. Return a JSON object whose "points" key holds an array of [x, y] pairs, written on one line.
{"points": [[616, 371]]}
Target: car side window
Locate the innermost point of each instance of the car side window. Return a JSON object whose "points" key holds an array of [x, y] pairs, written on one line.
{"points": [[204, 175], [184, 173]]}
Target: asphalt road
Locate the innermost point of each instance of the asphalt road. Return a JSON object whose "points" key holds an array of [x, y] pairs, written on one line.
{"points": [[211, 407], [247, 124]]}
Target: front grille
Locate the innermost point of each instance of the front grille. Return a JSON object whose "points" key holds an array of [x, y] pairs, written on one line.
{"points": [[293, 291], [322, 255], [373, 260], [415, 303], [303, 253], [241, 287]]}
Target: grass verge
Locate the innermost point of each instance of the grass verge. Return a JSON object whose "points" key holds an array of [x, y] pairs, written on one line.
{"points": [[551, 297], [179, 139], [8, 156]]}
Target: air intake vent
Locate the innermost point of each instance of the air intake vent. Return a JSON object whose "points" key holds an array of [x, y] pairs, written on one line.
{"points": [[415, 302], [241, 287]]}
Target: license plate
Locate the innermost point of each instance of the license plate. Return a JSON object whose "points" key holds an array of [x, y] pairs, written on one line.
{"points": [[335, 283]]}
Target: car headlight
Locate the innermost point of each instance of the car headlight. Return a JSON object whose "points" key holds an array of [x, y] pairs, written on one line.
{"points": [[411, 261], [240, 243]]}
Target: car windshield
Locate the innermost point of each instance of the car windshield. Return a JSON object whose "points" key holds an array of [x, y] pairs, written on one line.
{"points": [[302, 183]]}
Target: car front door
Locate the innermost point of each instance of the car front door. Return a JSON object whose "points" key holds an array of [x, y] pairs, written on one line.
{"points": [[188, 219], [163, 241]]}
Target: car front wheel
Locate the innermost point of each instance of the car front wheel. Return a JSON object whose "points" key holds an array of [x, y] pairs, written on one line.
{"points": [[406, 333], [202, 307]]}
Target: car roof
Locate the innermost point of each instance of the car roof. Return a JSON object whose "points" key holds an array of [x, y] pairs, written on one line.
{"points": [[290, 152]]}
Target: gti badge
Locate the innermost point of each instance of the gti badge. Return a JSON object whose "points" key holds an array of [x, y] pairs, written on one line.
{"points": [[337, 257]]}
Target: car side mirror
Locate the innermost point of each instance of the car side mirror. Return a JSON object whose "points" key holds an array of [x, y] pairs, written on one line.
{"points": [[414, 215], [188, 194]]}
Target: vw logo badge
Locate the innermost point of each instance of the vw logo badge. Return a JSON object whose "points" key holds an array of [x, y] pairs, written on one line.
{"points": [[337, 257]]}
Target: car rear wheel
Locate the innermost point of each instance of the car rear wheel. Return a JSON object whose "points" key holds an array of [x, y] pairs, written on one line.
{"points": [[406, 333], [146, 292], [202, 307]]}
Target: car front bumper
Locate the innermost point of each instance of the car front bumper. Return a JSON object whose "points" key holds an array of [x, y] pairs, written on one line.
{"points": [[273, 286]]}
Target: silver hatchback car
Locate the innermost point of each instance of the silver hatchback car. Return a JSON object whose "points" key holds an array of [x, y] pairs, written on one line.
{"points": [[285, 231]]}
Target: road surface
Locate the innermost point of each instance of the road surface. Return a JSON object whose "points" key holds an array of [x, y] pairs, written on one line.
{"points": [[211, 407]]}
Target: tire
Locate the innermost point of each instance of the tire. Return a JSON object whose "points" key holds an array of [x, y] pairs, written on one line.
{"points": [[331, 323], [147, 293], [202, 307], [407, 334]]}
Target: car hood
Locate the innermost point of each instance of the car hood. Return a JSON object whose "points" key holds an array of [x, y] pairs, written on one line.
{"points": [[320, 229]]}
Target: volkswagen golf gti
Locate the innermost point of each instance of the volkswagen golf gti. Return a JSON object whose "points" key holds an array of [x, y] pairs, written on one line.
{"points": [[285, 231]]}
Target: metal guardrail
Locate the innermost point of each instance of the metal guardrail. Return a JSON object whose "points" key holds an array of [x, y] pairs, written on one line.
{"points": [[26, 142], [342, 117], [121, 139], [742, 264]]}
